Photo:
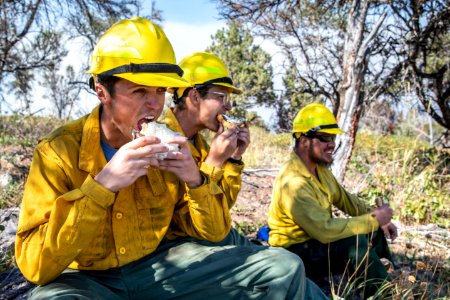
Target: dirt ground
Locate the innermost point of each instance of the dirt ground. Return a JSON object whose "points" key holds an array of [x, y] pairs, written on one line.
{"points": [[421, 252]]}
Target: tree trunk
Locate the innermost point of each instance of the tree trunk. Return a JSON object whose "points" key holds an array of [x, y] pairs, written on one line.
{"points": [[354, 68]]}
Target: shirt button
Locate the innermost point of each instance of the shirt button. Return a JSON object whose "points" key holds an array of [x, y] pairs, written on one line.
{"points": [[119, 215], [122, 250]]}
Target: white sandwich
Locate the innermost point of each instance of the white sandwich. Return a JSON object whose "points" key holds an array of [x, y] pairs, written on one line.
{"points": [[162, 132]]}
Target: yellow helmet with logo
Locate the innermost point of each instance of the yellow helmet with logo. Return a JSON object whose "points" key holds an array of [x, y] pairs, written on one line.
{"points": [[139, 51], [203, 68], [315, 117]]}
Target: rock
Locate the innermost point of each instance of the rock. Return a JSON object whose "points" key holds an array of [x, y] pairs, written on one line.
{"points": [[13, 286], [8, 221], [5, 180]]}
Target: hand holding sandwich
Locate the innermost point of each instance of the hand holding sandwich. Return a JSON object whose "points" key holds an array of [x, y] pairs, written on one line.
{"points": [[243, 140], [181, 163], [231, 140], [130, 162]]}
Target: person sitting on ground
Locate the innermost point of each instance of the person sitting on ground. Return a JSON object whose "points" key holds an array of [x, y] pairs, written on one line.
{"points": [[200, 107], [98, 203], [300, 213]]}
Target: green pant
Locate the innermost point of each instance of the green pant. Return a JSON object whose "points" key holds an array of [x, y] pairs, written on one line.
{"points": [[351, 256], [190, 269]]}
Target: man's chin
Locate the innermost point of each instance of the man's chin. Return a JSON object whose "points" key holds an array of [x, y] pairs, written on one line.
{"points": [[214, 127], [325, 163]]}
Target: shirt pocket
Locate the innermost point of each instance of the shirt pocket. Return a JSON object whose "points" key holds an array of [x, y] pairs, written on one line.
{"points": [[156, 196], [100, 246]]}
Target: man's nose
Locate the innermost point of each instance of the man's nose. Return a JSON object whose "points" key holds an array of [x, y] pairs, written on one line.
{"points": [[152, 100], [227, 106]]}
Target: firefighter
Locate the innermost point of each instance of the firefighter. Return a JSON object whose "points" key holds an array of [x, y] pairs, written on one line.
{"points": [[300, 214], [199, 107]]}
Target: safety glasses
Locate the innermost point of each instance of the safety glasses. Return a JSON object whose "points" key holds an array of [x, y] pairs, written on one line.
{"points": [[324, 138], [224, 97]]}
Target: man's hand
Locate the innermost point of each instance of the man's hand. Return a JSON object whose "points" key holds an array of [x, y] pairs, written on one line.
{"points": [[223, 145], [383, 214], [181, 163], [243, 140], [130, 162], [390, 231]]}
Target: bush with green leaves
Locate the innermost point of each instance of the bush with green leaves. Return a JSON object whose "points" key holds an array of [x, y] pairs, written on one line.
{"points": [[412, 176]]}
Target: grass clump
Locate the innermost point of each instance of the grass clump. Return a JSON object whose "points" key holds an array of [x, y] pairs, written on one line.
{"points": [[267, 149], [25, 130]]}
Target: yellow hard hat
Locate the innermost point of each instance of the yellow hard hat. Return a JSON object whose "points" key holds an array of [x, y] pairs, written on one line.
{"points": [[139, 51], [203, 68], [317, 118]]}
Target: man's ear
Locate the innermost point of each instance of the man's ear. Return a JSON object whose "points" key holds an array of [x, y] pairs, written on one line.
{"points": [[194, 97], [102, 94], [303, 141]]}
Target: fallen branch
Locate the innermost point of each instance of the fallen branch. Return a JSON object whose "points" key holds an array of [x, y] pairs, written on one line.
{"points": [[251, 183], [261, 172]]}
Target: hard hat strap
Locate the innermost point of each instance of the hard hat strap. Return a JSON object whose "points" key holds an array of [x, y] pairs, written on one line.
{"points": [[144, 68], [314, 129], [216, 80]]}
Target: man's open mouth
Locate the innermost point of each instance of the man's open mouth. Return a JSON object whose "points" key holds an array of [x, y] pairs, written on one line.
{"points": [[142, 121]]}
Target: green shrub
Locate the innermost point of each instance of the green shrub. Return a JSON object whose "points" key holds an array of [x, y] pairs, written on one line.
{"points": [[413, 177], [11, 195]]}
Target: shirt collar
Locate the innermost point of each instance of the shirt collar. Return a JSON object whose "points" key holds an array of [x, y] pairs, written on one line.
{"points": [[91, 158], [298, 164], [172, 122]]}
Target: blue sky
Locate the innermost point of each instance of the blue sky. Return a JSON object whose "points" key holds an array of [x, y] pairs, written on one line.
{"points": [[187, 11]]}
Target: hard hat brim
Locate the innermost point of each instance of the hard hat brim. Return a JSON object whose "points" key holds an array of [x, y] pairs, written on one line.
{"points": [[155, 79], [234, 89]]}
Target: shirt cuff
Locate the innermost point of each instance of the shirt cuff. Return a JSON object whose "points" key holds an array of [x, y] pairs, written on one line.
{"points": [[235, 168], [373, 221], [97, 192], [213, 173]]}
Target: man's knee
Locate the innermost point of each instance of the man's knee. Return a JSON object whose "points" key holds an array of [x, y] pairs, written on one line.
{"points": [[73, 285], [284, 260]]}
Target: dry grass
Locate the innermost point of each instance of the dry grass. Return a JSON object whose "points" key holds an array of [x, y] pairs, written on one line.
{"points": [[266, 150]]}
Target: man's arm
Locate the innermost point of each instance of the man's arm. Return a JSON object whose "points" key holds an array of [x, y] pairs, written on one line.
{"points": [[353, 206], [52, 217], [231, 145], [314, 216]]}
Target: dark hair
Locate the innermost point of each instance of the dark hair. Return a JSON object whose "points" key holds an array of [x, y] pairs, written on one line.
{"points": [[108, 82], [180, 101], [296, 140], [203, 90]]}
